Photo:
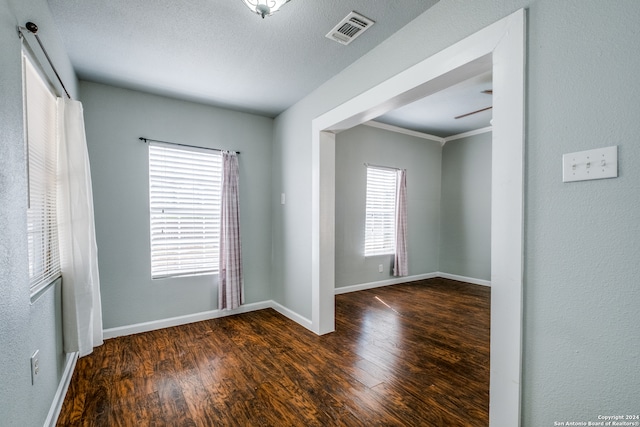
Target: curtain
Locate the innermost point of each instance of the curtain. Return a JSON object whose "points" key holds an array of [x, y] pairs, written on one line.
{"points": [[231, 285], [400, 264], [81, 307]]}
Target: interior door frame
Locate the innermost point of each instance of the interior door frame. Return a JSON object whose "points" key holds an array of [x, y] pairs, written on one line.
{"points": [[501, 48]]}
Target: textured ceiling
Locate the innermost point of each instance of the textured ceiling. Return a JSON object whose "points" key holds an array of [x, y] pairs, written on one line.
{"points": [[218, 52]]}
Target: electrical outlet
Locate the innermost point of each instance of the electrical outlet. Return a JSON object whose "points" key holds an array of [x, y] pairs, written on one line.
{"points": [[35, 366], [380, 268]]}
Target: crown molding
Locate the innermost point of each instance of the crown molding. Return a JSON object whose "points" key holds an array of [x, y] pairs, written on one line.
{"points": [[404, 131]]}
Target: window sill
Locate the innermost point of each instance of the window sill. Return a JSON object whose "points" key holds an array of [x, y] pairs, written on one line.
{"points": [[180, 276], [379, 255], [41, 290]]}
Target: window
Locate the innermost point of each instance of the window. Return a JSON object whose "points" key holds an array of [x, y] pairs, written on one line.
{"points": [[184, 201], [380, 221], [41, 145]]}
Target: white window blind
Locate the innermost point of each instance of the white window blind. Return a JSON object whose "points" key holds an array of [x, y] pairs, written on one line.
{"points": [[41, 139], [184, 199], [380, 228]]}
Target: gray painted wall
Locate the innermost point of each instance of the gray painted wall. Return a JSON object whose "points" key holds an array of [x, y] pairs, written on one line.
{"points": [[114, 119], [449, 198], [422, 159], [24, 327], [465, 227], [581, 353]]}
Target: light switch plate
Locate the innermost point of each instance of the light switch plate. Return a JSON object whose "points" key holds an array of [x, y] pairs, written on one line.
{"points": [[35, 366], [591, 164]]}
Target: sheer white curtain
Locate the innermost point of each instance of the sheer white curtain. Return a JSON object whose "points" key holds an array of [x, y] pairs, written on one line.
{"points": [[230, 283], [400, 264], [81, 309]]}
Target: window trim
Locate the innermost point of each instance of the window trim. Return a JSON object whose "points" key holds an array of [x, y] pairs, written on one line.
{"points": [[383, 243], [41, 277], [207, 259]]}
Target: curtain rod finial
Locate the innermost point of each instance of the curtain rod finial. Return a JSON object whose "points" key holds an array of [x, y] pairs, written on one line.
{"points": [[31, 27]]}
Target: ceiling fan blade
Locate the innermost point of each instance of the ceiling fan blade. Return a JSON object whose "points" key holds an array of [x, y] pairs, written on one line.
{"points": [[473, 112]]}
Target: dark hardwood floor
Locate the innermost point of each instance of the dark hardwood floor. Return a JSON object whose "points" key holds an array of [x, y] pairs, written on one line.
{"points": [[403, 355]]}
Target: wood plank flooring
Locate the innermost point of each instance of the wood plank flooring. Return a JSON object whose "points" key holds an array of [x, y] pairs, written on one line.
{"points": [[403, 355]]}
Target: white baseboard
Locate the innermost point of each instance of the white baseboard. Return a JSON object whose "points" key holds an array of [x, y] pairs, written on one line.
{"points": [[206, 315], [463, 279], [182, 320], [302, 321], [398, 280], [61, 392], [394, 281]]}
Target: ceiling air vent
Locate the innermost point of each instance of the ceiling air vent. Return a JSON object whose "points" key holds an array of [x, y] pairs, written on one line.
{"points": [[349, 28]]}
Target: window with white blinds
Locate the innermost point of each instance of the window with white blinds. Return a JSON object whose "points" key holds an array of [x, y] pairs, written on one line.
{"points": [[41, 142], [380, 221], [184, 200]]}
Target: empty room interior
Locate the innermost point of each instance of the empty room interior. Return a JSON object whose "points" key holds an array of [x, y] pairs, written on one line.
{"points": [[293, 213]]}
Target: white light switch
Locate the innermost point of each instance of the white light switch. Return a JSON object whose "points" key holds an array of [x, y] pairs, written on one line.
{"points": [[591, 164], [282, 198]]}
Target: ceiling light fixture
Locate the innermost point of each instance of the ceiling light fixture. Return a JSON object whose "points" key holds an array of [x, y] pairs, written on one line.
{"points": [[264, 7]]}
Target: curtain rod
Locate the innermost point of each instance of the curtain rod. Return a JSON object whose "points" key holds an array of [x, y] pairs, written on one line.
{"points": [[146, 140], [382, 167], [33, 29]]}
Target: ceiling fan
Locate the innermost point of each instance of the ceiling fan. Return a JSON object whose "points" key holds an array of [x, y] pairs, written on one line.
{"points": [[488, 92]]}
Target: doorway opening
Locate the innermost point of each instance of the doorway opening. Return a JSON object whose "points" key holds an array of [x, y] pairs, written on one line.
{"points": [[500, 48]]}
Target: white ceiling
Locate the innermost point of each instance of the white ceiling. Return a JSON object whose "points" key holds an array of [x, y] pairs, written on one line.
{"points": [[217, 51], [435, 114]]}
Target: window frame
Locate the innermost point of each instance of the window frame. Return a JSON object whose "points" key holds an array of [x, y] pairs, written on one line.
{"points": [[380, 213], [170, 258], [41, 151]]}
